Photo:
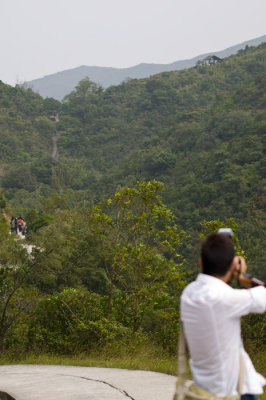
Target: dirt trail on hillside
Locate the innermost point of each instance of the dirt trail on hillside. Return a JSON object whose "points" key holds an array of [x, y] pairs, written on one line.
{"points": [[55, 153]]}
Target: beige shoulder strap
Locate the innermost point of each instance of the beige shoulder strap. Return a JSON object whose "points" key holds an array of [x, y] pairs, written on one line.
{"points": [[241, 375], [182, 352]]}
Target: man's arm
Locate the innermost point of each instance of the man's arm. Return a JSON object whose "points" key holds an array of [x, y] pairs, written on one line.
{"points": [[241, 302], [245, 280]]}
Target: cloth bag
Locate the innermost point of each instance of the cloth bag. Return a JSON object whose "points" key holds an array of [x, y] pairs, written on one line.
{"points": [[187, 389]]}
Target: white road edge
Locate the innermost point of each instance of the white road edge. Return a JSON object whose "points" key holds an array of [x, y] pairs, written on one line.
{"points": [[50, 382]]}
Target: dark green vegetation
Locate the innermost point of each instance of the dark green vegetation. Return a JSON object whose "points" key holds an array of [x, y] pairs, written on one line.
{"points": [[100, 281], [200, 131], [109, 275]]}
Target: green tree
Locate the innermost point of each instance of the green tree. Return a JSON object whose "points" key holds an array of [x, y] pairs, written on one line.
{"points": [[15, 296], [139, 241]]}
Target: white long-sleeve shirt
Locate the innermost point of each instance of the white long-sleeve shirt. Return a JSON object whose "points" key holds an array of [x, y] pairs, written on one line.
{"points": [[211, 312]]}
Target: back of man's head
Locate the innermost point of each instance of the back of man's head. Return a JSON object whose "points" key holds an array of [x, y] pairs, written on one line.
{"points": [[217, 253]]}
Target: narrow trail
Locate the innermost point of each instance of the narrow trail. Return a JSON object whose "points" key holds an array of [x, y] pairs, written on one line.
{"points": [[55, 152]]}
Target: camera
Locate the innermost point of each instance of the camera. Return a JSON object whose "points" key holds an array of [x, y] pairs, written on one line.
{"points": [[226, 231], [254, 281]]}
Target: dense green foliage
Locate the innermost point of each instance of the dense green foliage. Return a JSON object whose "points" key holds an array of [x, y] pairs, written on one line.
{"points": [[200, 131], [106, 275], [108, 267]]}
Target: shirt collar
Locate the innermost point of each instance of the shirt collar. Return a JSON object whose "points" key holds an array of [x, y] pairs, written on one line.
{"points": [[210, 280]]}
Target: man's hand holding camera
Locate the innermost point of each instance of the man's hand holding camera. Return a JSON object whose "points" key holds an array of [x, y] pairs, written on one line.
{"points": [[240, 269]]}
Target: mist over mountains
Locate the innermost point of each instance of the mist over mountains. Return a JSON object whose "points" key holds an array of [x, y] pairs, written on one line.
{"points": [[60, 84]]}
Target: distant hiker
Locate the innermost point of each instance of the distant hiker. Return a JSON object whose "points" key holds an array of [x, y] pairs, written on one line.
{"points": [[13, 224], [21, 224], [24, 228]]}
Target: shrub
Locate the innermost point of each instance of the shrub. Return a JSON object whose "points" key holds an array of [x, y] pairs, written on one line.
{"points": [[72, 322]]}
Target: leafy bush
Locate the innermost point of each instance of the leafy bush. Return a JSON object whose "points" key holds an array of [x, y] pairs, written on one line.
{"points": [[71, 322]]}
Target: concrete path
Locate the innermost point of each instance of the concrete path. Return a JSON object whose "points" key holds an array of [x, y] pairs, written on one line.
{"points": [[41, 382]]}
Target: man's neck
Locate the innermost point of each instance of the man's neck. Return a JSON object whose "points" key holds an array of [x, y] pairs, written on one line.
{"points": [[226, 278]]}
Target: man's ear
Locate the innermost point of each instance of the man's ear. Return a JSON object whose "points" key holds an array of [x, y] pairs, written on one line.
{"points": [[200, 263]]}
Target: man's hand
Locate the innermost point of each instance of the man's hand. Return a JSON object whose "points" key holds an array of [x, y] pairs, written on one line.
{"points": [[240, 268]]}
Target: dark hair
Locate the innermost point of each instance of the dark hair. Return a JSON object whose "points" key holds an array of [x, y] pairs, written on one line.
{"points": [[217, 253]]}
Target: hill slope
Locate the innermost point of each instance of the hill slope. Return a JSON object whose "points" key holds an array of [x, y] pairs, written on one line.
{"points": [[25, 138], [201, 131], [60, 84]]}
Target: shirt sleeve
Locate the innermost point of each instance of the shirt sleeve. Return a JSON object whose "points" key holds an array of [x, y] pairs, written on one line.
{"points": [[241, 302]]}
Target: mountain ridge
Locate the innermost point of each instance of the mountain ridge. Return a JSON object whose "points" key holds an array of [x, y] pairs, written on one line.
{"points": [[61, 83]]}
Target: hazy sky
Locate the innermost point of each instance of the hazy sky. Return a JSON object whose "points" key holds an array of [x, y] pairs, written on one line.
{"points": [[41, 37]]}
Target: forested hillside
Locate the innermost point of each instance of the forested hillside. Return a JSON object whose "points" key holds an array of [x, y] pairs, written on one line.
{"points": [[114, 247], [25, 140], [200, 131]]}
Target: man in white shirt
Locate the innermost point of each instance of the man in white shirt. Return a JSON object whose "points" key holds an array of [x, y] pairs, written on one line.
{"points": [[211, 312]]}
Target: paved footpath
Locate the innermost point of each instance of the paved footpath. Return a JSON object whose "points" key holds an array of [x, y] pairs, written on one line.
{"points": [[49, 382]]}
